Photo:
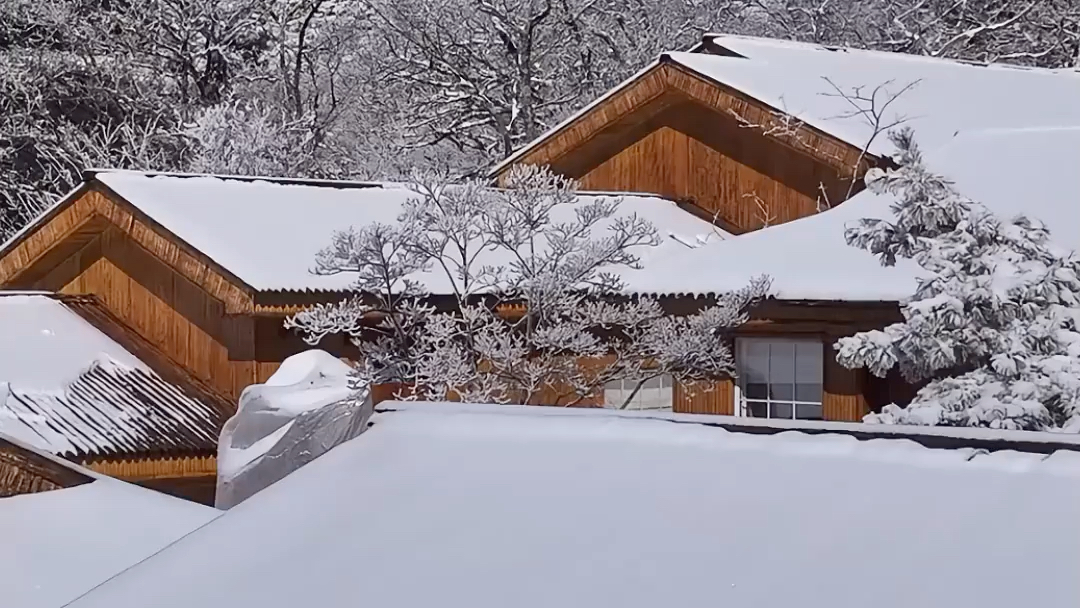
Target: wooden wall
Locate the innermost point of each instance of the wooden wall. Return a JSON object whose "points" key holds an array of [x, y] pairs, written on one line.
{"points": [[24, 472], [697, 156], [720, 399], [167, 309]]}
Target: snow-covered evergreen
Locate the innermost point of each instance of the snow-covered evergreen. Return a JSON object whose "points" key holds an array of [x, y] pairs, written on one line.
{"points": [[993, 326], [531, 304]]}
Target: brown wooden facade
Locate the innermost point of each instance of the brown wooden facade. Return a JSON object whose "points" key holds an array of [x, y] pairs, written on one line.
{"points": [[670, 132], [674, 133]]}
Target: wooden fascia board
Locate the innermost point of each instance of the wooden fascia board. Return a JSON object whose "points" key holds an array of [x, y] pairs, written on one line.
{"points": [[648, 86], [728, 102], [188, 261], [97, 203], [152, 467], [43, 219], [668, 77]]}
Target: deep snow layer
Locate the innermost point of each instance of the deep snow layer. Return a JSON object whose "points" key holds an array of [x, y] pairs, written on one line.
{"points": [[494, 506]]}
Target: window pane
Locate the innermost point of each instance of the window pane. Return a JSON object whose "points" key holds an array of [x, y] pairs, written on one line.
{"points": [[808, 362], [808, 392], [758, 409], [808, 412], [757, 391], [613, 398], [782, 392], [782, 363], [754, 363], [780, 410]]}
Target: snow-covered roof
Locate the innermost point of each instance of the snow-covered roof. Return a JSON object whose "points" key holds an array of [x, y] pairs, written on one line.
{"points": [[267, 233], [447, 504], [68, 388], [37, 329], [945, 96], [57, 545], [1029, 171]]}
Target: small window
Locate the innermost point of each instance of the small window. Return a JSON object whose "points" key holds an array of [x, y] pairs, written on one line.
{"points": [[655, 394], [780, 378]]}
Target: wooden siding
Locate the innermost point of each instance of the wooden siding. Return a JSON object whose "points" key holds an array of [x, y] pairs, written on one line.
{"points": [[719, 400], [177, 316], [72, 227], [843, 397], [23, 471], [747, 182], [676, 134]]}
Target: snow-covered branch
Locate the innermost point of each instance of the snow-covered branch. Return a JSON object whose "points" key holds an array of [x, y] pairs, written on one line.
{"points": [[996, 326], [538, 310]]}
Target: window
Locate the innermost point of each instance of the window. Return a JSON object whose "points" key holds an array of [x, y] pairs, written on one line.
{"points": [[655, 394], [780, 378]]}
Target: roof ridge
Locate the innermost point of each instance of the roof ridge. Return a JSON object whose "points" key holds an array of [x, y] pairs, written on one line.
{"points": [[92, 174], [717, 38]]}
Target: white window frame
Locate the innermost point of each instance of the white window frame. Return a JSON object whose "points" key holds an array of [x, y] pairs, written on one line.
{"points": [[615, 393], [742, 404]]}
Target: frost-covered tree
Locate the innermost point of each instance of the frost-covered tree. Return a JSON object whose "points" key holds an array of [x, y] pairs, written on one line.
{"points": [[536, 310], [1042, 33], [489, 75], [995, 325]]}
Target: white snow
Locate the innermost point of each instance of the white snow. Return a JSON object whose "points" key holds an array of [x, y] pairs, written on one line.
{"points": [[451, 505], [267, 234], [304, 409], [67, 388], [1031, 171], [949, 96], [59, 544], [46, 345]]}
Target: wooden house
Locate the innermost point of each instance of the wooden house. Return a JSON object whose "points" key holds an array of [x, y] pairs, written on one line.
{"points": [[756, 133], [80, 384], [206, 269], [744, 139]]}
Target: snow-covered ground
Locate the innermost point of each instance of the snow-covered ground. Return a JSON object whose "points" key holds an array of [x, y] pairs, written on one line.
{"points": [[57, 545], [304, 409], [494, 506]]}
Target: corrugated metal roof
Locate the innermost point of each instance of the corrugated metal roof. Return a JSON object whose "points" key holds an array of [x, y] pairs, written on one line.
{"points": [[103, 391], [114, 410]]}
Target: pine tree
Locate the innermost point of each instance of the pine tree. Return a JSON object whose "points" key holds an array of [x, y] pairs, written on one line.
{"points": [[993, 325]]}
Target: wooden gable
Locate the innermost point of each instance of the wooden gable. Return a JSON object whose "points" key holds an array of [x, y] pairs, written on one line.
{"points": [[179, 300], [674, 133]]}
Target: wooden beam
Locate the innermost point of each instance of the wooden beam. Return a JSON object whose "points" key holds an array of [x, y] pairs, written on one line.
{"points": [[148, 468]]}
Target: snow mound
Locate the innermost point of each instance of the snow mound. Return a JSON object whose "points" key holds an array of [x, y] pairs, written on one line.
{"points": [[448, 505], [302, 411]]}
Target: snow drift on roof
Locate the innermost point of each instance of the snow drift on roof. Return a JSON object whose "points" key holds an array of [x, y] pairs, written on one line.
{"points": [[947, 96], [444, 504], [1030, 171], [268, 234], [59, 544], [37, 329], [67, 388]]}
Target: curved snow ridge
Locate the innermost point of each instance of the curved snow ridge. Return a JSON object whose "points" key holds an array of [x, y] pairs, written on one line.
{"points": [[308, 406], [596, 425]]}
